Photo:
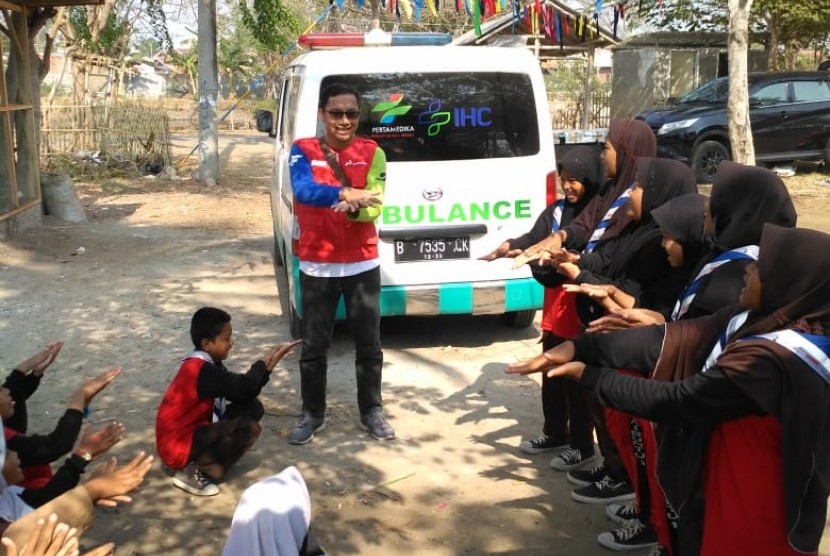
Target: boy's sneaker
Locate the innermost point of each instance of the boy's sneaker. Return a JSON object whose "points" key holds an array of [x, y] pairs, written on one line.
{"points": [[585, 477], [620, 513], [632, 536], [571, 459], [305, 429], [543, 443], [658, 550], [192, 480], [375, 424], [604, 492]]}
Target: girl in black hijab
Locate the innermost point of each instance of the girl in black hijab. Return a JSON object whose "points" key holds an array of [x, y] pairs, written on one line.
{"points": [[605, 216], [567, 423], [634, 263], [743, 199], [755, 380]]}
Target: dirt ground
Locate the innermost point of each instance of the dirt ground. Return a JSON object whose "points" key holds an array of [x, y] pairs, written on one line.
{"points": [[154, 251]]}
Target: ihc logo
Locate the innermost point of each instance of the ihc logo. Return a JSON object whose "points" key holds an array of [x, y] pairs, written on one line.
{"points": [[391, 108]]}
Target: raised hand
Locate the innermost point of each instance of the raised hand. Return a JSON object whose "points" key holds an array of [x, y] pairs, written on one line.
{"points": [[92, 387], [275, 355], [622, 319], [542, 251], [40, 361], [572, 370], [96, 442], [568, 270], [110, 484], [501, 251], [559, 355], [601, 293], [48, 538]]}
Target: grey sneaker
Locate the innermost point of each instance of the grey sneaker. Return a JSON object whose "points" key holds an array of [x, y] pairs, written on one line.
{"points": [[376, 425], [192, 480], [305, 429], [543, 443], [571, 459]]}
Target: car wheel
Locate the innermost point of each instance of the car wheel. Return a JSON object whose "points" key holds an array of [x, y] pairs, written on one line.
{"points": [[707, 157], [519, 319]]}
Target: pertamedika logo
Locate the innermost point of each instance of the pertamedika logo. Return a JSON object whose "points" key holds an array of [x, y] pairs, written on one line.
{"points": [[391, 108]]}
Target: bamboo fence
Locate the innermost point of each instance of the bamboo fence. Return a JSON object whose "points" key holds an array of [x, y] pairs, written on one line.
{"points": [[124, 131], [566, 111]]}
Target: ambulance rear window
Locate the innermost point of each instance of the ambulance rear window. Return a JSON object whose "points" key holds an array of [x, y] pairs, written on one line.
{"points": [[447, 116]]}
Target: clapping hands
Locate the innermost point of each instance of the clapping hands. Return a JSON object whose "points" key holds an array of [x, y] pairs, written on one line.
{"points": [[40, 361]]}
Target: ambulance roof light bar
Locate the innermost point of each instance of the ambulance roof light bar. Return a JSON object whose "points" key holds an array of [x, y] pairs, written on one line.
{"points": [[376, 37]]}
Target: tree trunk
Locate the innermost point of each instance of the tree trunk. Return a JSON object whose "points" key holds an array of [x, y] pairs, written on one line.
{"points": [[208, 92], [774, 27], [740, 130]]}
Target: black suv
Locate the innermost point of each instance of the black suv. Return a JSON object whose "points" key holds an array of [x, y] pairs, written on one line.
{"points": [[790, 115]]}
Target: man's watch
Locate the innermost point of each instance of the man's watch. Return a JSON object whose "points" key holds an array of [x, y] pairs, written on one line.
{"points": [[86, 456]]}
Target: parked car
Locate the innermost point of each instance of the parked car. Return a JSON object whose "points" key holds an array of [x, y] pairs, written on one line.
{"points": [[789, 113]]}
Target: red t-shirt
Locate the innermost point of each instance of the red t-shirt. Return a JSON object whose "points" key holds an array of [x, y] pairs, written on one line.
{"points": [[743, 481], [559, 313]]}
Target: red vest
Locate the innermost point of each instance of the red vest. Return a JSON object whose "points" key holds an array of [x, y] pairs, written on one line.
{"points": [[559, 313], [744, 484], [34, 476], [328, 236], [181, 412]]}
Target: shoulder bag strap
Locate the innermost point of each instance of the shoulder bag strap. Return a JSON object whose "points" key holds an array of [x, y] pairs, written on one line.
{"points": [[332, 160]]}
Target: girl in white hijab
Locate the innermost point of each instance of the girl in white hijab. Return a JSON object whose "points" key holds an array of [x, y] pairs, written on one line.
{"points": [[272, 518]]}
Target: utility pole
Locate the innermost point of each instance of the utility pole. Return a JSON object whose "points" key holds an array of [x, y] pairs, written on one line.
{"points": [[208, 93]]}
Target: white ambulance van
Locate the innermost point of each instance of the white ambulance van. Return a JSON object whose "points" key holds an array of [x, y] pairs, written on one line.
{"points": [[467, 136]]}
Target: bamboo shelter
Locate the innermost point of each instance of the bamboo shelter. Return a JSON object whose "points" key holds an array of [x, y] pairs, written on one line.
{"points": [[20, 195]]}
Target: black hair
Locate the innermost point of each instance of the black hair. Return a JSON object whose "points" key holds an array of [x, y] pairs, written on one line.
{"points": [[206, 324], [336, 89]]}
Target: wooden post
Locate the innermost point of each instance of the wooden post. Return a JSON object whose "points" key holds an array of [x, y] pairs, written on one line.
{"points": [[586, 89]]}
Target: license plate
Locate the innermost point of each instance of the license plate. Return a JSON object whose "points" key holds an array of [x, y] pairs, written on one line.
{"points": [[432, 249]]}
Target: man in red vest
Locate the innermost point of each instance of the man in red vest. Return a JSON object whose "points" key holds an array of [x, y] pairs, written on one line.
{"points": [[338, 182]]}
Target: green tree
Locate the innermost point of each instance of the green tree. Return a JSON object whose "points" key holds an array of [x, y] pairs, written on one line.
{"points": [[271, 22], [187, 62], [786, 27], [233, 60], [792, 27]]}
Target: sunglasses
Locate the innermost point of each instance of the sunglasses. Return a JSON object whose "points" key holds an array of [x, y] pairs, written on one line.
{"points": [[338, 114]]}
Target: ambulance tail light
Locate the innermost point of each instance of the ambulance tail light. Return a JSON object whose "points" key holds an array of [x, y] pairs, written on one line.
{"points": [[375, 37], [550, 188]]}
